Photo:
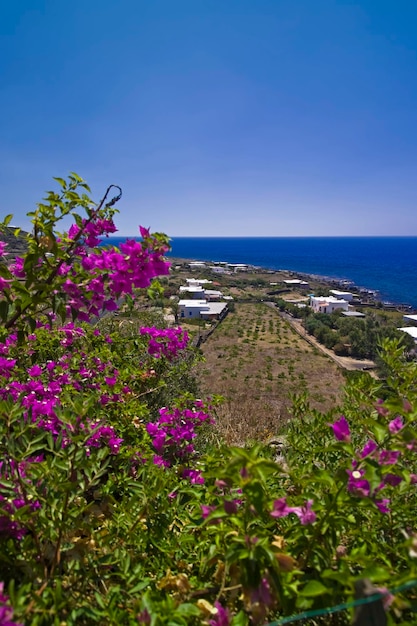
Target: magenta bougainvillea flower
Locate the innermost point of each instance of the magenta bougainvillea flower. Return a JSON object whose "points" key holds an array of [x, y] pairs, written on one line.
{"points": [[368, 448], [304, 513], [396, 425], [341, 429], [221, 617]]}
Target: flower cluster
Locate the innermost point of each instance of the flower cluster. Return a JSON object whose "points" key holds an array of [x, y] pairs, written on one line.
{"points": [[92, 230], [358, 483], [167, 342], [93, 280], [304, 513], [40, 389], [173, 434]]}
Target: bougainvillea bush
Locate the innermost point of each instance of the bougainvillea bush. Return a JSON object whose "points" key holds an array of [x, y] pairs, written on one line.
{"points": [[118, 506]]}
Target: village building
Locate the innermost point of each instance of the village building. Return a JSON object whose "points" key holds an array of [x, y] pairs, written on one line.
{"points": [[296, 282], [328, 304], [238, 267], [197, 265], [198, 281], [410, 330], [201, 309], [342, 295], [410, 318], [212, 294], [195, 291]]}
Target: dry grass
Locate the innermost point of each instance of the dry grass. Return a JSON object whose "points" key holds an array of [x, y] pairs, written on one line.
{"points": [[258, 362]]}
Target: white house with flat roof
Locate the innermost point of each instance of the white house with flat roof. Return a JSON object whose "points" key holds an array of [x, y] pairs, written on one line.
{"points": [[197, 265], [218, 269], [212, 294], [328, 304], [238, 267], [201, 309], [195, 291], [191, 308], [410, 318], [197, 282], [342, 295], [215, 310], [296, 282], [410, 330]]}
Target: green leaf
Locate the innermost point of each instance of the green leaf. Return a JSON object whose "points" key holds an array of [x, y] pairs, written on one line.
{"points": [[61, 181], [376, 573], [240, 619], [313, 589], [7, 219]]}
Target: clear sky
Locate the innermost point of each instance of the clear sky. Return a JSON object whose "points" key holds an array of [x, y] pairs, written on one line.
{"points": [[217, 117]]}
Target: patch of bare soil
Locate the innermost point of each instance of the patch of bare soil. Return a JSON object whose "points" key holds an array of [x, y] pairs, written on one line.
{"points": [[257, 362]]}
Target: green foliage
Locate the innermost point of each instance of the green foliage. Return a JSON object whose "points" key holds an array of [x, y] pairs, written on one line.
{"points": [[101, 534]]}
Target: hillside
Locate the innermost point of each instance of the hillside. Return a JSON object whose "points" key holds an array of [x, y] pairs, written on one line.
{"points": [[257, 362]]}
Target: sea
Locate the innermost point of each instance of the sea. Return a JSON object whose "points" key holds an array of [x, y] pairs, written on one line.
{"points": [[387, 265]]}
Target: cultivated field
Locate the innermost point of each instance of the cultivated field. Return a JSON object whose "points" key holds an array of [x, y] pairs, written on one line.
{"points": [[257, 362]]}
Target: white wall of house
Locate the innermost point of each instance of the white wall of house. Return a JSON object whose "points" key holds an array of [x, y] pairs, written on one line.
{"points": [[191, 309], [328, 305]]}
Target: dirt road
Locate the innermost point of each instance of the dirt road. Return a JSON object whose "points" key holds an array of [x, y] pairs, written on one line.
{"points": [[346, 362]]}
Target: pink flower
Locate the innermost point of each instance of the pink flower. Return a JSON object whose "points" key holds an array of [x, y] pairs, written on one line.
{"points": [[4, 283], [281, 508], [195, 476], [206, 510], [382, 410], [305, 514], [221, 617], [382, 505], [368, 448], [389, 457], [357, 485], [396, 425], [35, 371], [392, 479], [341, 429]]}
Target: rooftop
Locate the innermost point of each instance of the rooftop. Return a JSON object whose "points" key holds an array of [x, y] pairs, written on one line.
{"points": [[410, 330]]}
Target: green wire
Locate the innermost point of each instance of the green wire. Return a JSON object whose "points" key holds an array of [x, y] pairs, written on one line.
{"points": [[342, 607]]}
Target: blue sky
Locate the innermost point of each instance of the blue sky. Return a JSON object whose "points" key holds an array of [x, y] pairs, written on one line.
{"points": [[217, 117]]}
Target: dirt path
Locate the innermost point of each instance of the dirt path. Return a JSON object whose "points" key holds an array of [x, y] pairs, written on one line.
{"points": [[346, 362]]}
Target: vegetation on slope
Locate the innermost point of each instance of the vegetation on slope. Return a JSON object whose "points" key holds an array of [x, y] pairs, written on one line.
{"points": [[117, 510]]}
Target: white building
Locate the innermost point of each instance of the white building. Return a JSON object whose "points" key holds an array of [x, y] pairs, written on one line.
{"points": [[328, 304], [238, 267], [197, 282], [197, 265], [296, 282], [410, 318], [201, 309], [191, 309], [410, 330], [212, 294], [218, 269], [215, 310], [342, 295], [195, 291]]}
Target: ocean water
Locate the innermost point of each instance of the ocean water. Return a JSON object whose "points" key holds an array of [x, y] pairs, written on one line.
{"points": [[386, 264]]}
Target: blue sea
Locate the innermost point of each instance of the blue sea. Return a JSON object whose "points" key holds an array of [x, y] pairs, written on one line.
{"points": [[385, 264]]}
